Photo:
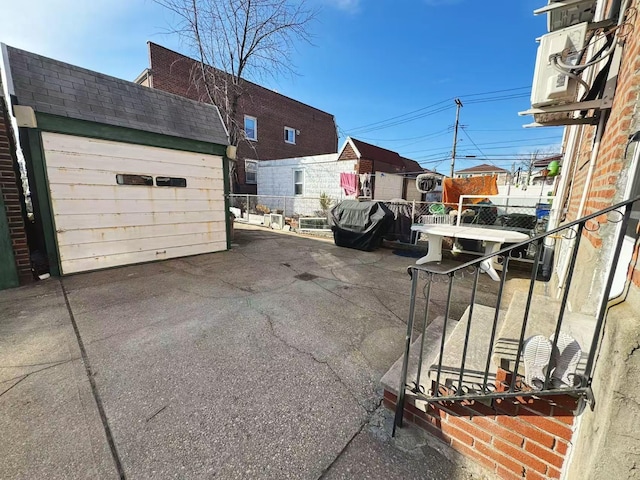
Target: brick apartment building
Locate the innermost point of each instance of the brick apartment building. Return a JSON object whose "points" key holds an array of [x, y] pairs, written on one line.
{"points": [[275, 126]]}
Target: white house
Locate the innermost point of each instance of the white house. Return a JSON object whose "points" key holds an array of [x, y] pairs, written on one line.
{"points": [[303, 180]]}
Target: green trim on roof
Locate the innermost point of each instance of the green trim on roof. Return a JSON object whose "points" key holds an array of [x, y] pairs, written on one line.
{"points": [[84, 128]]}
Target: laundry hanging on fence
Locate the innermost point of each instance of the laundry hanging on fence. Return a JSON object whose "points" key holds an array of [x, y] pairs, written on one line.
{"points": [[453, 188], [349, 183], [365, 184]]}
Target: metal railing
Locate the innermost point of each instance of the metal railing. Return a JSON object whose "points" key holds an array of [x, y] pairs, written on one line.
{"points": [[467, 370]]}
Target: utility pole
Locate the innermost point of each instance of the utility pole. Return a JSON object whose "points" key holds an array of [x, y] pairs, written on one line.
{"points": [[455, 135]]}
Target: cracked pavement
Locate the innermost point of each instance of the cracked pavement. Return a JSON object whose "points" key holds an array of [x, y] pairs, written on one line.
{"points": [[228, 365]]}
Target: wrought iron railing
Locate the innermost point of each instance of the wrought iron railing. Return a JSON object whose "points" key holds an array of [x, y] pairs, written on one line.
{"points": [[460, 377]]}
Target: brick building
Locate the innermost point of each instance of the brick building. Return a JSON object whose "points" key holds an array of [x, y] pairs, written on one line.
{"points": [[275, 126], [552, 436], [15, 265]]}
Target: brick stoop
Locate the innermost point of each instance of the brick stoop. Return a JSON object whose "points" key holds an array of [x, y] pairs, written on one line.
{"points": [[513, 438]]}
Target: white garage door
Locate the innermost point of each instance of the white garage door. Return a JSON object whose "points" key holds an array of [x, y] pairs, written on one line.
{"points": [[116, 203]]}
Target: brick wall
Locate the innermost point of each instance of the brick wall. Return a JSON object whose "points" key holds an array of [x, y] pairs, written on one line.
{"points": [[11, 190], [516, 438], [172, 73], [605, 186], [348, 153]]}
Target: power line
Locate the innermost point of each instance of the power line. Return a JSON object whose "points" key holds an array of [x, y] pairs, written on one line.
{"points": [[400, 118], [474, 143]]}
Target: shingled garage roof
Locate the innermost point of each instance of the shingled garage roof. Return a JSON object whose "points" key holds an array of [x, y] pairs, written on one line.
{"points": [[372, 152], [58, 88], [484, 168]]}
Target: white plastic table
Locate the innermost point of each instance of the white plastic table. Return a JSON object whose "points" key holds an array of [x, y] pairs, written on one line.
{"points": [[492, 238]]}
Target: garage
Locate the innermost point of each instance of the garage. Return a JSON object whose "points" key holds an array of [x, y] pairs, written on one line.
{"points": [[122, 176], [115, 204]]}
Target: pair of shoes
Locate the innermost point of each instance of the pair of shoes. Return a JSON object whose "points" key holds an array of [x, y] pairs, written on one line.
{"points": [[563, 360]]}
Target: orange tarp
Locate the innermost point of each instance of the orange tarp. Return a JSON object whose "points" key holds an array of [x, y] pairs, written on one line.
{"points": [[452, 188]]}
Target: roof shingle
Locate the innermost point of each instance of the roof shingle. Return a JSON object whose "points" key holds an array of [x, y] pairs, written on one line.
{"points": [[58, 88]]}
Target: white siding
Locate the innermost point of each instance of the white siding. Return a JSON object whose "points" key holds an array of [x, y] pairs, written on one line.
{"points": [[101, 224], [412, 191], [321, 175], [388, 186]]}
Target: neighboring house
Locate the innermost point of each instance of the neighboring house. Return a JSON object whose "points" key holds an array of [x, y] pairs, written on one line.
{"points": [[484, 169], [120, 174], [393, 175], [275, 126], [593, 286], [302, 180], [307, 178]]}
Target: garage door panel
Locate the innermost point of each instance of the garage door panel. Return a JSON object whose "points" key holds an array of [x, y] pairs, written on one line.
{"points": [[131, 165], [134, 192], [105, 248], [105, 150], [95, 263], [100, 224], [83, 176], [116, 207], [129, 220], [99, 235]]}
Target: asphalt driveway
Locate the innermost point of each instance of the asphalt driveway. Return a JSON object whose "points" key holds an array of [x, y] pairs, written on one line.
{"points": [[260, 362]]}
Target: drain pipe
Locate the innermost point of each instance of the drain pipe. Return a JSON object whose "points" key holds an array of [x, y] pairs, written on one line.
{"points": [[585, 195]]}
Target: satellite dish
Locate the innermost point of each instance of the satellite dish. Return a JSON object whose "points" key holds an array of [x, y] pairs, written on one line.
{"points": [[426, 182]]}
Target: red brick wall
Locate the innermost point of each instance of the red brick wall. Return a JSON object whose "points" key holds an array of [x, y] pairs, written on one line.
{"points": [[172, 73], [603, 187], [348, 153], [517, 438], [365, 166], [11, 190]]}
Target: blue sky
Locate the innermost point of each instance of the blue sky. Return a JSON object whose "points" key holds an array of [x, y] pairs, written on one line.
{"points": [[371, 61]]}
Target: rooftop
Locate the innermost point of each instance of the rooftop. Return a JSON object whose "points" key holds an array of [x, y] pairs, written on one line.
{"points": [[58, 88]]}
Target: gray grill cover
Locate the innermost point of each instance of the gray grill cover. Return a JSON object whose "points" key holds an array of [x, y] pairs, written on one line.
{"points": [[360, 225]]}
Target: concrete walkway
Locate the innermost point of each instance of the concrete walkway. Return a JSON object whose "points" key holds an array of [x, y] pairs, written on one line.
{"points": [[260, 362]]}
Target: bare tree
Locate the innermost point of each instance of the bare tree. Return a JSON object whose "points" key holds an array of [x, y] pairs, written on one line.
{"points": [[251, 39]]}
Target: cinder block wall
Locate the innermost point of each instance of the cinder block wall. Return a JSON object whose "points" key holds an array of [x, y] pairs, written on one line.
{"points": [[11, 189]]}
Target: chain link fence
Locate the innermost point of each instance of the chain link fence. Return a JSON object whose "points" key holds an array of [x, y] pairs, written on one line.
{"points": [[519, 213], [301, 213]]}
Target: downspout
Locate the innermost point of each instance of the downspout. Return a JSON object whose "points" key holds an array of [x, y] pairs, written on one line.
{"points": [[585, 195], [594, 154]]}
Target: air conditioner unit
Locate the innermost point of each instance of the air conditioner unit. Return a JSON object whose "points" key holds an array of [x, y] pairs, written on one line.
{"points": [[566, 13], [550, 86]]}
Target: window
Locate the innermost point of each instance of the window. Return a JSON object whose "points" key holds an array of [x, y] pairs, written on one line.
{"points": [[126, 179], [171, 182], [289, 135], [298, 182], [251, 127], [251, 172]]}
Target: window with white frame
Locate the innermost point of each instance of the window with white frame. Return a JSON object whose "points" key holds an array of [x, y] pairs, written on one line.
{"points": [[251, 171], [298, 182], [251, 127], [290, 135]]}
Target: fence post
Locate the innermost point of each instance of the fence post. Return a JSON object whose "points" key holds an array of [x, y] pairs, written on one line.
{"points": [[248, 207], [413, 211]]}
